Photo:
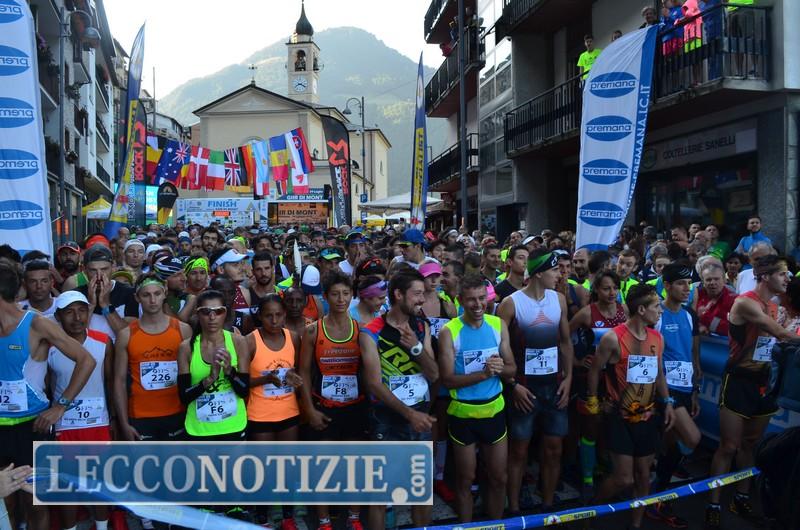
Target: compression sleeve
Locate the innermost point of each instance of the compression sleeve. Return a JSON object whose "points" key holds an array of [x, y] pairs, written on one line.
{"points": [[186, 391], [240, 383]]}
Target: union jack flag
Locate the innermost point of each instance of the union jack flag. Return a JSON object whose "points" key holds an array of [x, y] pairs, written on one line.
{"points": [[182, 153], [233, 172]]}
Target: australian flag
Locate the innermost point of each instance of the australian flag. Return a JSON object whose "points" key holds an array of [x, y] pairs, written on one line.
{"points": [[175, 156]]}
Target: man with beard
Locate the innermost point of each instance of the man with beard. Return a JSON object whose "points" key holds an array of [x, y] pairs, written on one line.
{"points": [[38, 282], [68, 258], [264, 274], [210, 239], [580, 269]]}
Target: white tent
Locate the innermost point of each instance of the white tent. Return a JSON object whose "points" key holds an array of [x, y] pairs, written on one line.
{"points": [[395, 202]]}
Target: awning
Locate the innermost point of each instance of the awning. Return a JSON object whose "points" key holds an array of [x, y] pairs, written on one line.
{"points": [[99, 209], [395, 202]]}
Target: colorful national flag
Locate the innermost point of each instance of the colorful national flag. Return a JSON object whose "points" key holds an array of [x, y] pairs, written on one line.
{"points": [[215, 177], [173, 159], [279, 158], [197, 173], [299, 182], [300, 143], [262, 157], [235, 178], [153, 158]]}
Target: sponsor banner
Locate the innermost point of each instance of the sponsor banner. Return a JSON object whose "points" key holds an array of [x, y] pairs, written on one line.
{"points": [[419, 163], [25, 221], [137, 209], [313, 195], [616, 100], [303, 213], [232, 473], [337, 141], [134, 87], [165, 200], [230, 212], [711, 144]]}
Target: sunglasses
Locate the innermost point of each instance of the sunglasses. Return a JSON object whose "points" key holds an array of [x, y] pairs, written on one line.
{"points": [[207, 311], [371, 263]]}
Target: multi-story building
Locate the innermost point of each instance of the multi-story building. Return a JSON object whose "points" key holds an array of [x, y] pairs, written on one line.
{"points": [[86, 104], [161, 124], [722, 136]]}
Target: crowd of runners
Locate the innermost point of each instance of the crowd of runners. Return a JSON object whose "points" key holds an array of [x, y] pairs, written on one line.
{"points": [[501, 353]]}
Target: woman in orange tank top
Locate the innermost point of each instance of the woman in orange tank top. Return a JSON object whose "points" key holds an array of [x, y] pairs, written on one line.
{"points": [[273, 412]]}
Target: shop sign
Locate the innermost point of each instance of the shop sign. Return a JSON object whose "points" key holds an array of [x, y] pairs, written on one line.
{"points": [[710, 144], [302, 213]]}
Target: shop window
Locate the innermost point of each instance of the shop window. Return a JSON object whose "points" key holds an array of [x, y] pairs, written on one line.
{"points": [[504, 80]]}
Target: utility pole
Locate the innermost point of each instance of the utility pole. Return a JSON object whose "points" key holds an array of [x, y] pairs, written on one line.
{"points": [[462, 113]]}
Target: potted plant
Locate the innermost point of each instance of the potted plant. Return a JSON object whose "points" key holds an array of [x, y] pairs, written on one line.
{"points": [[52, 69], [43, 51], [71, 156]]}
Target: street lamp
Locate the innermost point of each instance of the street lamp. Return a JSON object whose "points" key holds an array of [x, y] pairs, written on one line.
{"points": [[348, 112], [92, 37]]}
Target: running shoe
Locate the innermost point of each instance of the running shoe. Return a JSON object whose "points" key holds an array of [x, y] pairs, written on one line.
{"points": [[354, 524], [444, 492], [681, 473], [288, 524], [741, 506], [713, 520], [663, 512]]}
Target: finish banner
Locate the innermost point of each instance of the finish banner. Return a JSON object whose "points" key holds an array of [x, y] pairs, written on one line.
{"points": [[419, 163], [616, 100], [24, 203], [337, 141]]}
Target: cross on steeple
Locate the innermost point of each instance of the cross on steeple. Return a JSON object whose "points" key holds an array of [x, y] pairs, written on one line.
{"points": [[253, 69]]}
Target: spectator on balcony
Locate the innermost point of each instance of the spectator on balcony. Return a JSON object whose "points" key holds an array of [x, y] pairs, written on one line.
{"points": [[712, 25], [693, 38], [672, 38], [650, 16], [587, 58]]}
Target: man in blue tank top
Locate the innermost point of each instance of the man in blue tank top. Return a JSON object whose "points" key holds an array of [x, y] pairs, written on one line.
{"points": [[474, 355], [25, 339], [681, 359]]}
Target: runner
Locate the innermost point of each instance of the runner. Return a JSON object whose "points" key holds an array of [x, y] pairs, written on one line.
{"points": [[264, 274], [543, 356], [228, 264], [328, 261], [38, 283], [295, 301], [746, 404], [516, 264], [133, 257], [113, 302], [398, 368], [631, 356], [330, 361], [146, 369], [412, 242], [209, 239], [372, 291], [580, 269], [25, 338], [590, 324], [627, 263], [491, 263], [355, 246], [68, 262], [474, 354], [575, 295], [88, 420], [679, 329], [170, 271], [452, 272]]}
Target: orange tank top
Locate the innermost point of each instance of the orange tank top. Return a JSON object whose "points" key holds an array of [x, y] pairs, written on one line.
{"points": [[153, 371], [631, 382], [270, 403], [310, 311], [335, 376]]}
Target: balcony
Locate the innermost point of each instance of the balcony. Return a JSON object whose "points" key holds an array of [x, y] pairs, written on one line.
{"points": [[80, 118], [101, 97], [104, 139], [48, 85], [81, 74], [441, 94], [444, 170], [550, 15], [728, 66], [103, 175], [438, 17]]}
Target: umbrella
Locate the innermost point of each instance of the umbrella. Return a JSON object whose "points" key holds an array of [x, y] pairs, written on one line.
{"points": [[400, 202]]}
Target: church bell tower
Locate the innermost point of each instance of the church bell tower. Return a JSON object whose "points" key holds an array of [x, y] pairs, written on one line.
{"points": [[303, 63]]}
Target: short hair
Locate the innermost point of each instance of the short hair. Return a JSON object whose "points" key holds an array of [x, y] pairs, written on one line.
{"points": [[211, 229], [473, 259], [457, 249], [471, 281], [8, 252], [263, 256], [491, 246], [10, 279], [640, 295], [588, 36], [709, 263], [681, 228], [629, 253], [402, 282], [336, 277], [754, 216], [657, 251], [36, 264], [597, 260], [513, 251], [458, 267]]}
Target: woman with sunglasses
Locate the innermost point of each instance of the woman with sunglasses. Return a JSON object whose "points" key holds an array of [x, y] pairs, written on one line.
{"points": [[214, 375]]}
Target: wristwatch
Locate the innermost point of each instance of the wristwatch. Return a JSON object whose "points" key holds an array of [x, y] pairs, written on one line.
{"points": [[416, 349], [64, 402]]}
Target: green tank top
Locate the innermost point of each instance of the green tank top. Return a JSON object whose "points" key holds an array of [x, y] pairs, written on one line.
{"points": [[218, 410]]}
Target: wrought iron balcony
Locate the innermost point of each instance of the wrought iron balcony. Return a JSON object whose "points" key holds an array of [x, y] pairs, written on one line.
{"points": [[444, 170], [103, 175], [104, 144], [441, 94], [721, 51], [438, 17], [540, 16]]}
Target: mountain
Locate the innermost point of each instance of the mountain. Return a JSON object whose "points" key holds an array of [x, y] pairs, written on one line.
{"points": [[356, 64]]}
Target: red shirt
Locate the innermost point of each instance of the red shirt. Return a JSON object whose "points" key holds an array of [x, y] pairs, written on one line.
{"points": [[713, 314]]}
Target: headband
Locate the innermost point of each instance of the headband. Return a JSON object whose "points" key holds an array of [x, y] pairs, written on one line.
{"points": [[149, 281], [543, 263], [760, 270], [376, 289], [124, 274], [196, 263], [166, 267], [674, 273]]}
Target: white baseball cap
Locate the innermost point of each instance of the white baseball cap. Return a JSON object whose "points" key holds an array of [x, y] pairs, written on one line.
{"points": [[70, 297], [231, 256]]}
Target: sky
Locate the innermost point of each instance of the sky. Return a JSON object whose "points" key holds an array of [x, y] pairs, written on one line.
{"points": [[185, 39]]}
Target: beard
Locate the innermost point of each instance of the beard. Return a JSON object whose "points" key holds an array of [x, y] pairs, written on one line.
{"points": [[69, 266]]}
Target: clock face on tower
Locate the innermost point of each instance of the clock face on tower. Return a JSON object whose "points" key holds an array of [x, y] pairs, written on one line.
{"points": [[299, 83]]}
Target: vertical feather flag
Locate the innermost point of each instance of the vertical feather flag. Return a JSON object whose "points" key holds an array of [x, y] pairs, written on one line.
{"points": [[215, 177], [153, 157], [261, 156], [279, 163]]}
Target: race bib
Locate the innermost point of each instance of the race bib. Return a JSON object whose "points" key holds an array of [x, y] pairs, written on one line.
{"points": [[642, 369], [436, 325], [340, 388], [475, 360], [410, 389], [13, 396], [678, 373], [541, 361], [763, 352], [213, 408], [157, 375], [271, 390], [87, 412]]}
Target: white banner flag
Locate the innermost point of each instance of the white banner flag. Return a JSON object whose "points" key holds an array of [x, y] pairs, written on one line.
{"points": [[24, 205], [616, 99]]}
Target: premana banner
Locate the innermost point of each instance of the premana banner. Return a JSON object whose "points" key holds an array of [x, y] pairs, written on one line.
{"points": [[24, 205], [616, 99]]}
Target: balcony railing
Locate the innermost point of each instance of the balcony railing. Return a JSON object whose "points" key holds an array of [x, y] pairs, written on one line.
{"points": [[447, 166], [446, 77], [103, 175], [80, 72], [102, 132], [514, 11], [719, 44], [49, 80], [433, 14], [100, 95]]}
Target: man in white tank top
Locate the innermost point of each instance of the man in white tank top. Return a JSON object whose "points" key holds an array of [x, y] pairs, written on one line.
{"points": [[537, 321], [88, 419]]}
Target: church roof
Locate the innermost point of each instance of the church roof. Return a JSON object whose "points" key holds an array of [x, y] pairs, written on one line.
{"points": [[303, 26]]}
